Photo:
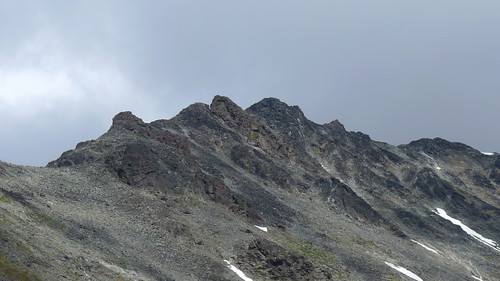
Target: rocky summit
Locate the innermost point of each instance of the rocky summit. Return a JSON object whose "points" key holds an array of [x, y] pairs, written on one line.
{"points": [[222, 193]]}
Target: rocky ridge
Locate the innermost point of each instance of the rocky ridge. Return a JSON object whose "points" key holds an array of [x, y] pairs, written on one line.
{"points": [[173, 199]]}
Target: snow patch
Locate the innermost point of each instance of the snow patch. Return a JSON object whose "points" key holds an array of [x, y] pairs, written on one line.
{"points": [[442, 213], [325, 167], [438, 168], [488, 153], [263, 228], [477, 278], [129, 274], [237, 271], [258, 149], [425, 247], [404, 271]]}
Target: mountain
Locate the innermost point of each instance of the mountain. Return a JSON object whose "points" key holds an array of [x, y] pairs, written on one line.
{"points": [[222, 193]]}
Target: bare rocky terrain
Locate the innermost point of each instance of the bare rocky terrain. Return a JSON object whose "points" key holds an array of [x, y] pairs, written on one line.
{"points": [[222, 193]]}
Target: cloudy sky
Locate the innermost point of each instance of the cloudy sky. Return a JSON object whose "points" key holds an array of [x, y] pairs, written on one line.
{"points": [[396, 70]]}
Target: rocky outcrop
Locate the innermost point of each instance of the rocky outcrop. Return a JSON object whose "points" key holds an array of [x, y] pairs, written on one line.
{"points": [[344, 200], [271, 261]]}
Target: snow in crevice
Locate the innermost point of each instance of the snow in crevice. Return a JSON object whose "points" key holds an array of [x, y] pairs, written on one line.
{"points": [[325, 167], [263, 228], [237, 271], [258, 149], [494, 245], [129, 274], [426, 247], [475, 273], [431, 161], [488, 153], [404, 271]]}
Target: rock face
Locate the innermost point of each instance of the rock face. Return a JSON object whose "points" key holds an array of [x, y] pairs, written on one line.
{"points": [[172, 199]]}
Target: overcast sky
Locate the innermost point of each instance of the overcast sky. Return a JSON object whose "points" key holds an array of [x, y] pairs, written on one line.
{"points": [[396, 70]]}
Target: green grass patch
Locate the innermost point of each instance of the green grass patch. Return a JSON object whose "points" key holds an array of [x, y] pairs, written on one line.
{"points": [[42, 217], [365, 243], [310, 250], [15, 232], [4, 199], [371, 245], [17, 271], [3, 219], [16, 239], [314, 253], [193, 202], [252, 136]]}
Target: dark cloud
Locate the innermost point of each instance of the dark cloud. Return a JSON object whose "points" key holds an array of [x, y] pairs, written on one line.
{"points": [[395, 70]]}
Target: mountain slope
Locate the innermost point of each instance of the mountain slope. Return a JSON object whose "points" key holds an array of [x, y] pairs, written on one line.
{"points": [[179, 199]]}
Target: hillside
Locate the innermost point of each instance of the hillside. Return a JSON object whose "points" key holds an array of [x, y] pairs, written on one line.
{"points": [[222, 193]]}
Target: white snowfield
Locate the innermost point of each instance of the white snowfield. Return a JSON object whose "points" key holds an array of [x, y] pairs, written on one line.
{"points": [[237, 271], [404, 271], [488, 153], [263, 228], [494, 245], [425, 247]]}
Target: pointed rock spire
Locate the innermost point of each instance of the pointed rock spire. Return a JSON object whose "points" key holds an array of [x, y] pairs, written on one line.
{"points": [[126, 120], [229, 111]]}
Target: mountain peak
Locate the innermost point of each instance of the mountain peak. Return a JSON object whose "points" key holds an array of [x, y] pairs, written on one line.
{"points": [[229, 111], [439, 146], [126, 116], [222, 105], [336, 125], [275, 108], [127, 120], [272, 102]]}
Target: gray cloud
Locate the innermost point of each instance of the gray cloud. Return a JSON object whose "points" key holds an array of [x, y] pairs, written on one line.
{"points": [[396, 70]]}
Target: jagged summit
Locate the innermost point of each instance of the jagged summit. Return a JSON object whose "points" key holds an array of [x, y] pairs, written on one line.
{"points": [[127, 120], [438, 144], [264, 190], [335, 124], [441, 147], [277, 113], [195, 108], [126, 116], [273, 107], [229, 111]]}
